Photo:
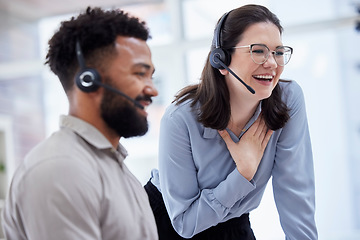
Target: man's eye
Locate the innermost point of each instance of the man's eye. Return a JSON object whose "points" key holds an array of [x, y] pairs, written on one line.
{"points": [[141, 74]]}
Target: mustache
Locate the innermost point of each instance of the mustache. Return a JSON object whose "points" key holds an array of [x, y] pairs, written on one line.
{"points": [[144, 98]]}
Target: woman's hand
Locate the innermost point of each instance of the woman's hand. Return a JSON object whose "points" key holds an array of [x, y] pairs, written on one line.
{"points": [[247, 153]]}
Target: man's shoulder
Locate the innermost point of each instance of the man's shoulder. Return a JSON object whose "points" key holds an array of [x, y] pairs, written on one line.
{"points": [[62, 143], [61, 152]]}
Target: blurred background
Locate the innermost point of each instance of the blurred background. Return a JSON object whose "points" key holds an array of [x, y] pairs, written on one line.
{"points": [[326, 63]]}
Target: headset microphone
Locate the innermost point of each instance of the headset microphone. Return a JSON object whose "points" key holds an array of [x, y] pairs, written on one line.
{"points": [[236, 76], [89, 79], [219, 57], [136, 103]]}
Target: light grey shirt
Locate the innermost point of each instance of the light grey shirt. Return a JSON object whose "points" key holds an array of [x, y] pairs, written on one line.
{"points": [[202, 187], [74, 185]]}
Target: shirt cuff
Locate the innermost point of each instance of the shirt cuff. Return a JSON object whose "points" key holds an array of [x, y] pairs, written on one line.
{"points": [[233, 189]]}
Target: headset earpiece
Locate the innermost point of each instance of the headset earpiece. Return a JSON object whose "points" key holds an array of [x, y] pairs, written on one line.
{"points": [[219, 54], [87, 79]]}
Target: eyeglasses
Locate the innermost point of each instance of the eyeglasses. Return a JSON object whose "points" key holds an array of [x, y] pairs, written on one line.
{"points": [[260, 53]]}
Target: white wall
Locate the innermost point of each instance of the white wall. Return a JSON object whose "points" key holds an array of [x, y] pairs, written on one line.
{"points": [[326, 49], [326, 55]]}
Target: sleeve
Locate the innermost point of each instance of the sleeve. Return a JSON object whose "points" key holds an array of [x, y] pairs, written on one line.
{"points": [[190, 208], [293, 172], [57, 199]]}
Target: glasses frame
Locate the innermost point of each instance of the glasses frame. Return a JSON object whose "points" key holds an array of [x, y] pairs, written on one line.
{"points": [[269, 51]]}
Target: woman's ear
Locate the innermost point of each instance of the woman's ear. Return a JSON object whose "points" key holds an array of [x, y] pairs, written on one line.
{"points": [[224, 71]]}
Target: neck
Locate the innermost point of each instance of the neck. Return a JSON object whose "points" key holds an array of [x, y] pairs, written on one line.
{"points": [[89, 112], [241, 112], [100, 125]]}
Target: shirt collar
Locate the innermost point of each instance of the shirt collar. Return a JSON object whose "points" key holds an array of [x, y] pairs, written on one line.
{"points": [[211, 133], [89, 133]]}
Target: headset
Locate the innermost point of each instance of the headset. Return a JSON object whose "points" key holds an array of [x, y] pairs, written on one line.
{"points": [[219, 57], [89, 80]]}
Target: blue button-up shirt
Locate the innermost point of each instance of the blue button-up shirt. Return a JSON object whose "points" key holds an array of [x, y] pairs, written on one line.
{"points": [[202, 187]]}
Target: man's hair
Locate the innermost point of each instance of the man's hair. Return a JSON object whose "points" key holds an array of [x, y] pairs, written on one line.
{"points": [[96, 30]]}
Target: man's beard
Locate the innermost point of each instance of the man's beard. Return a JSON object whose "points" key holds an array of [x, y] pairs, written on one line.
{"points": [[121, 115]]}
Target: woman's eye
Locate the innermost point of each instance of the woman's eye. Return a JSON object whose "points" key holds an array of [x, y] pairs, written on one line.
{"points": [[258, 51]]}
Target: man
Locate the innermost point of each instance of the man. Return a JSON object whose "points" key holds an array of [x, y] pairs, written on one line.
{"points": [[74, 185]]}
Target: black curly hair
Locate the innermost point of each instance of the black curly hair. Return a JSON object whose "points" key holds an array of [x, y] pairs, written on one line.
{"points": [[96, 30]]}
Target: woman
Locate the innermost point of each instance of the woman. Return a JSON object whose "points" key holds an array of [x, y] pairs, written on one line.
{"points": [[222, 139]]}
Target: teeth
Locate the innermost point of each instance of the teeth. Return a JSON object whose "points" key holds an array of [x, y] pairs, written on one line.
{"points": [[265, 77]]}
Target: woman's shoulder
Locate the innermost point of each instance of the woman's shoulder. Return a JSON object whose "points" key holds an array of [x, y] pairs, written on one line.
{"points": [[290, 89], [292, 94], [184, 108], [181, 114], [290, 86]]}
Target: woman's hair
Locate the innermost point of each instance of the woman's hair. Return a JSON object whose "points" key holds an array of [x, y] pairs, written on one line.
{"points": [[212, 92], [96, 31]]}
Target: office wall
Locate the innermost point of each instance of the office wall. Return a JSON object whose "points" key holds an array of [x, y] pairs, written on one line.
{"points": [[325, 63]]}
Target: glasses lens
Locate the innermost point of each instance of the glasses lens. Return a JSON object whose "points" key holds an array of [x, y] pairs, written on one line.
{"points": [[259, 53], [282, 55]]}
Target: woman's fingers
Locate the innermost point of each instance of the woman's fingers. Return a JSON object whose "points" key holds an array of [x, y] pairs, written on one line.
{"points": [[266, 138], [226, 137], [260, 128], [254, 127], [247, 153]]}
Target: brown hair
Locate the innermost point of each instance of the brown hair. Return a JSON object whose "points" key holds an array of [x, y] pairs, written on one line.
{"points": [[212, 92]]}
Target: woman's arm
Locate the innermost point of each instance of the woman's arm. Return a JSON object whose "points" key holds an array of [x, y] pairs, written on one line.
{"points": [[293, 173], [191, 207]]}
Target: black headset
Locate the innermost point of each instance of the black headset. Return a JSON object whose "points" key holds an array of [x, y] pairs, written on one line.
{"points": [[87, 79], [220, 58], [218, 54]]}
